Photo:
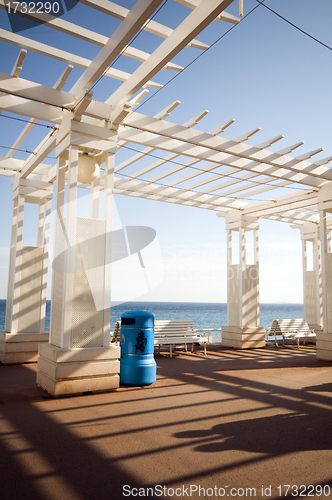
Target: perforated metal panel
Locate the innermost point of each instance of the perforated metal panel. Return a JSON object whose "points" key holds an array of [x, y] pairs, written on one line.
{"points": [[328, 267], [311, 299], [233, 296], [89, 283], [250, 296], [30, 290], [9, 304], [58, 288]]}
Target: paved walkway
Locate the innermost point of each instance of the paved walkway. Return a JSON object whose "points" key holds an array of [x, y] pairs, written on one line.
{"points": [[226, 425]]}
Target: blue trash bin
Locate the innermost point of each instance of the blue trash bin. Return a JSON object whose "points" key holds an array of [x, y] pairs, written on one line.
{"points": [[137, 364]]}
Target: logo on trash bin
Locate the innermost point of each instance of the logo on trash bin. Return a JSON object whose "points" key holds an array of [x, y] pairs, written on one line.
{"points": [[140, 342]]}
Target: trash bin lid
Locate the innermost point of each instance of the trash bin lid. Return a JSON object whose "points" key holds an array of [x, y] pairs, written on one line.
{"points": [[137, 319]]}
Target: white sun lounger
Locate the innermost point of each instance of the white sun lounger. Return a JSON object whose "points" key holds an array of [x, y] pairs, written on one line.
{"points": [[172, 333], [291, 328]]}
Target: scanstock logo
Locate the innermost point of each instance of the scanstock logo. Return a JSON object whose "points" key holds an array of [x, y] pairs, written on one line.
{"points": [[25, 15]]}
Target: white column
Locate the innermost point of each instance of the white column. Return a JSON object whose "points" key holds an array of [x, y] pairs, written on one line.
{"points": [[27, 283], [59, 257], [304, 276], [45, 244], [324, 251], [70, 235], [18, 263], [256, 263], [95, 192], [243, 330], [108, 216], [312, 275], [242, 276], [40, 226], [79, 357], [14, 281], [318, 263], [229, 268]]}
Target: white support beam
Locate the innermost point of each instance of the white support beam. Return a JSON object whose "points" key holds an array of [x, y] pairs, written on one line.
{"points": [[30, 90], [34, 160], [167, 111], [21, 106], [224, 16], [27, 129], [19, 63], [286, 202], [83, 34], [245, 137], [135, 19], [153, 27], [223, 151], [222, 128], [220, 156], [62, 55], [142, 189], [167, 158], [182, 35], [196, 119]]}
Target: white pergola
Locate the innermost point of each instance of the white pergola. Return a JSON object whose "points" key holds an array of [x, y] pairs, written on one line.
{"points": [[186, 166]]}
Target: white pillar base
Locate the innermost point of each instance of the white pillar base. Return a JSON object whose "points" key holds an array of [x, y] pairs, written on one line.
{"points": [[17, 348], [63, 372], [243, 338], [324, 346]]}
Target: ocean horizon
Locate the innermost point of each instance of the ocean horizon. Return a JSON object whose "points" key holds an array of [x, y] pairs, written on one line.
{"points": [[209, 315]]}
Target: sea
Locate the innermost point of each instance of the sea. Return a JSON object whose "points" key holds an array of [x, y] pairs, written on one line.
{"points": [[204, 315]]}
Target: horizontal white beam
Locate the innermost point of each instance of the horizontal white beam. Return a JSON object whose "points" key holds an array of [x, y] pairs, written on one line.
{"points": [[293, 200], [223, 151], [193, 24], [153, 27], [87, 35], [62, 55], [224, 16], [34, 91], [29, 126], [137, 16], [20, 106], [173, 195]]}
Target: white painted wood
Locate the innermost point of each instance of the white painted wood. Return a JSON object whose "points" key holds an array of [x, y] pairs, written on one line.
{"points": [[17, 261], [70, 231], [182, 35], [46, 241], [62, 55], [230, 152], [108, 216], [30, 90], [116, 43], [19, 63], [87, 35], [323, 243], [153, 27], [95, 194], [58, 282]]}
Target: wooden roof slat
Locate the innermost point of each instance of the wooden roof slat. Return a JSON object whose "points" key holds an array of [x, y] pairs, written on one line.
{"points": [[216, 149], [116, 44], [62, 55], [193, 24], [153, 27], [29, 126], [85, 34]]}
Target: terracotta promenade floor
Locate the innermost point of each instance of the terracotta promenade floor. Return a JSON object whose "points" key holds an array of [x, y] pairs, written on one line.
{"points": [[228, 424]]}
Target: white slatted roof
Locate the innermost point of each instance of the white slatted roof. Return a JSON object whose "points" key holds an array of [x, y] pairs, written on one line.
{"points": [[100, 74]]}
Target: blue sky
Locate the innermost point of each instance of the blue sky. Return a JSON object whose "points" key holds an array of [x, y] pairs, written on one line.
{"points": [[263, 73]]}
